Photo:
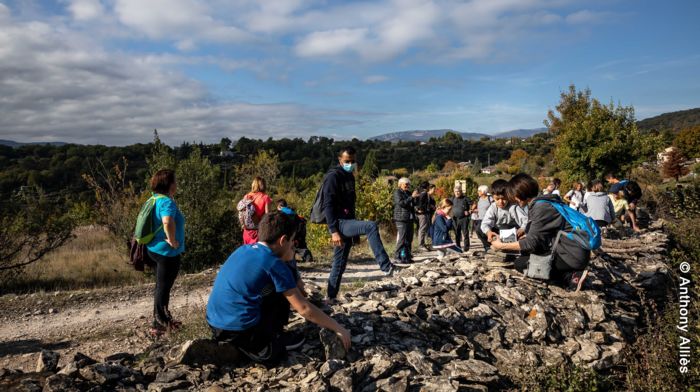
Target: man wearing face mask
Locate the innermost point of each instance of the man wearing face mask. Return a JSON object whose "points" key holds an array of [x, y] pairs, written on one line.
{"points": [[250, 301], [338, 207]]}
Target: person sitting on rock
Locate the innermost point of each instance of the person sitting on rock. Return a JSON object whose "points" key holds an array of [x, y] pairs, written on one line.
{"points": [[442, 224], [502, 216], [569, 260], [250, 301]]}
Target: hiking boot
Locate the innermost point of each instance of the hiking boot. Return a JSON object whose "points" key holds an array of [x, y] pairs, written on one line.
{"points": [[402, 262], [292, 340], [394, 268]]}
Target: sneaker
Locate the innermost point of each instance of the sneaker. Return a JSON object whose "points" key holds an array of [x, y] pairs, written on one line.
{"points": [[292, 340], [262, 356], [401, 262], [394, 268], [577, 279]]}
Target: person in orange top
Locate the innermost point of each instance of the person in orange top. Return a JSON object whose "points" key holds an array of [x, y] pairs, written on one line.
{"points": [[263, 205]]}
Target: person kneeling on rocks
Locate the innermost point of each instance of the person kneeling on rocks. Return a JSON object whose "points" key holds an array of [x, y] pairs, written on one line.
{"points": [[250, 301], [568, 260]]}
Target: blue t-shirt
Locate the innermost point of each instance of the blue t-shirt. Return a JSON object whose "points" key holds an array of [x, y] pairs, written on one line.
{"points": [[235, 300], [165, 206]]}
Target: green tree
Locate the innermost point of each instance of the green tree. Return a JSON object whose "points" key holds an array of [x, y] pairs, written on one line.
{"points": [[210, 230], [370, 168], [264, 164], [688, 141], [592, 138], [451, 137]]}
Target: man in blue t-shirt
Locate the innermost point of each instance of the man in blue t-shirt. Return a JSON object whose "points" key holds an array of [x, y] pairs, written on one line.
{"points": [[250, 301]]}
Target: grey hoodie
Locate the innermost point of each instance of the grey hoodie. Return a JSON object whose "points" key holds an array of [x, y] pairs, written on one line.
{"points": [[598, 206]]}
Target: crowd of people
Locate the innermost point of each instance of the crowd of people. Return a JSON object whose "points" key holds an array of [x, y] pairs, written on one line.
{"points": [[259, 282]]}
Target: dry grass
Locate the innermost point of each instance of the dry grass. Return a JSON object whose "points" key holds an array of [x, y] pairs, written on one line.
{"points": [[91, 260]]}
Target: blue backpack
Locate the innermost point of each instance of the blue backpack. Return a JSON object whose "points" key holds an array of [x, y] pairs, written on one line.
{"points": [[584, 232]]}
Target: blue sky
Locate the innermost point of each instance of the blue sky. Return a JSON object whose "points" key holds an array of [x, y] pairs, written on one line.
{"points": [[110, 71]]}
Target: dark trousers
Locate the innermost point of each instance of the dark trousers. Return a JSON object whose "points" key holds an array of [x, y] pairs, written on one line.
{"points": [[264, 339], [461, 226], [482, 236], [350, 228], [423, 226], [404, 239], [166, 272]]}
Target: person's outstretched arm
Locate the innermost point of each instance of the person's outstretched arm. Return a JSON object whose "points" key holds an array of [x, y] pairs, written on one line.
{"points": [[310, 312]]}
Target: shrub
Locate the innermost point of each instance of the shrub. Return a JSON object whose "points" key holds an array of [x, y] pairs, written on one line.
{"points": [[31, 225]]}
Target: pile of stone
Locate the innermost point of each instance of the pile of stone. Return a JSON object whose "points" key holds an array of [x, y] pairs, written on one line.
{"points": [[455, 324]]}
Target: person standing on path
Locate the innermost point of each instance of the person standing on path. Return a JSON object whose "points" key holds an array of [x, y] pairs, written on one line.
{"points": [[461, 206], [425, 208], [403, 218], [338, 207], [166, 247], [263, 205], [482, 205]]}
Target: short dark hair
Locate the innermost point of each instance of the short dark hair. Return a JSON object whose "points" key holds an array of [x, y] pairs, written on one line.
{"points": [[500, 188], [162, 181], [556, 182], [432, 186], [610, 175], [596, 186], [281, 203], [274, 225], [523, 186], [350, 150]]}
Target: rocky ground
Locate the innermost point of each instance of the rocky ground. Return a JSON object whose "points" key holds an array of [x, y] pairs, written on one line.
{"points": [[455, 324]]}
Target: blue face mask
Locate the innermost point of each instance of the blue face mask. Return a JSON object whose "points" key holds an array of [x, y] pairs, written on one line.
{"points": [[349, 167]]}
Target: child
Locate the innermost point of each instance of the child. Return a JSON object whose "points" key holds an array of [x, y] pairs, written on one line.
{"points": [[620, 205], [479, 208], [253, 292], [598, 205], [553, 188], [575, 196], [502, 218], [300, 246], [442, 223]]}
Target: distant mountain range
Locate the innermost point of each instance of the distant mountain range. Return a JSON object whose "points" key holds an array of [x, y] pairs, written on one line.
{"points": [[14, 144], [425, 135], [673, 121]]}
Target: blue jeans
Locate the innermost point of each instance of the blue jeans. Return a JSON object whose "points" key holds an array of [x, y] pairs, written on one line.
{"points": [[348, 229]]}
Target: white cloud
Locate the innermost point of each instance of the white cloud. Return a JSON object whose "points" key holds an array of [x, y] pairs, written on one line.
{"points": [[182, 20], [60, 85], [86, 9], [329, 43]]}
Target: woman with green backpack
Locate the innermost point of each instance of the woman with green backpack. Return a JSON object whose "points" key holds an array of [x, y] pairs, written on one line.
{"points": [[165, 248]]}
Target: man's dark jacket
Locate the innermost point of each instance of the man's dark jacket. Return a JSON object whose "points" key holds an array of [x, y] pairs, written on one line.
{"points": [[403, 206], [338, 197]]}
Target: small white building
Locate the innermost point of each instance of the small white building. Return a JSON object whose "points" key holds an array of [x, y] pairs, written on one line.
{"points": [[489, 169]]}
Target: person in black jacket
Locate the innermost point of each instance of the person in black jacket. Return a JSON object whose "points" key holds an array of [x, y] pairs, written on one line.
{"points": [[338, 206], [461, 214], [425, 208], [403, 218], [544, 223]]}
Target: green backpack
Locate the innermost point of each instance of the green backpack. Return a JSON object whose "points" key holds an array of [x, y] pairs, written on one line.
{"points": [[144, 233]]}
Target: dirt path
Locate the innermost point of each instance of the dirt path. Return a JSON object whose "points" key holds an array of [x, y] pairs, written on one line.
{"points": [[105, 321]]}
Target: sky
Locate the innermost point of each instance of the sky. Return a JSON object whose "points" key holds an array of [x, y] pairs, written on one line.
{"points": [[111, 71]]}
